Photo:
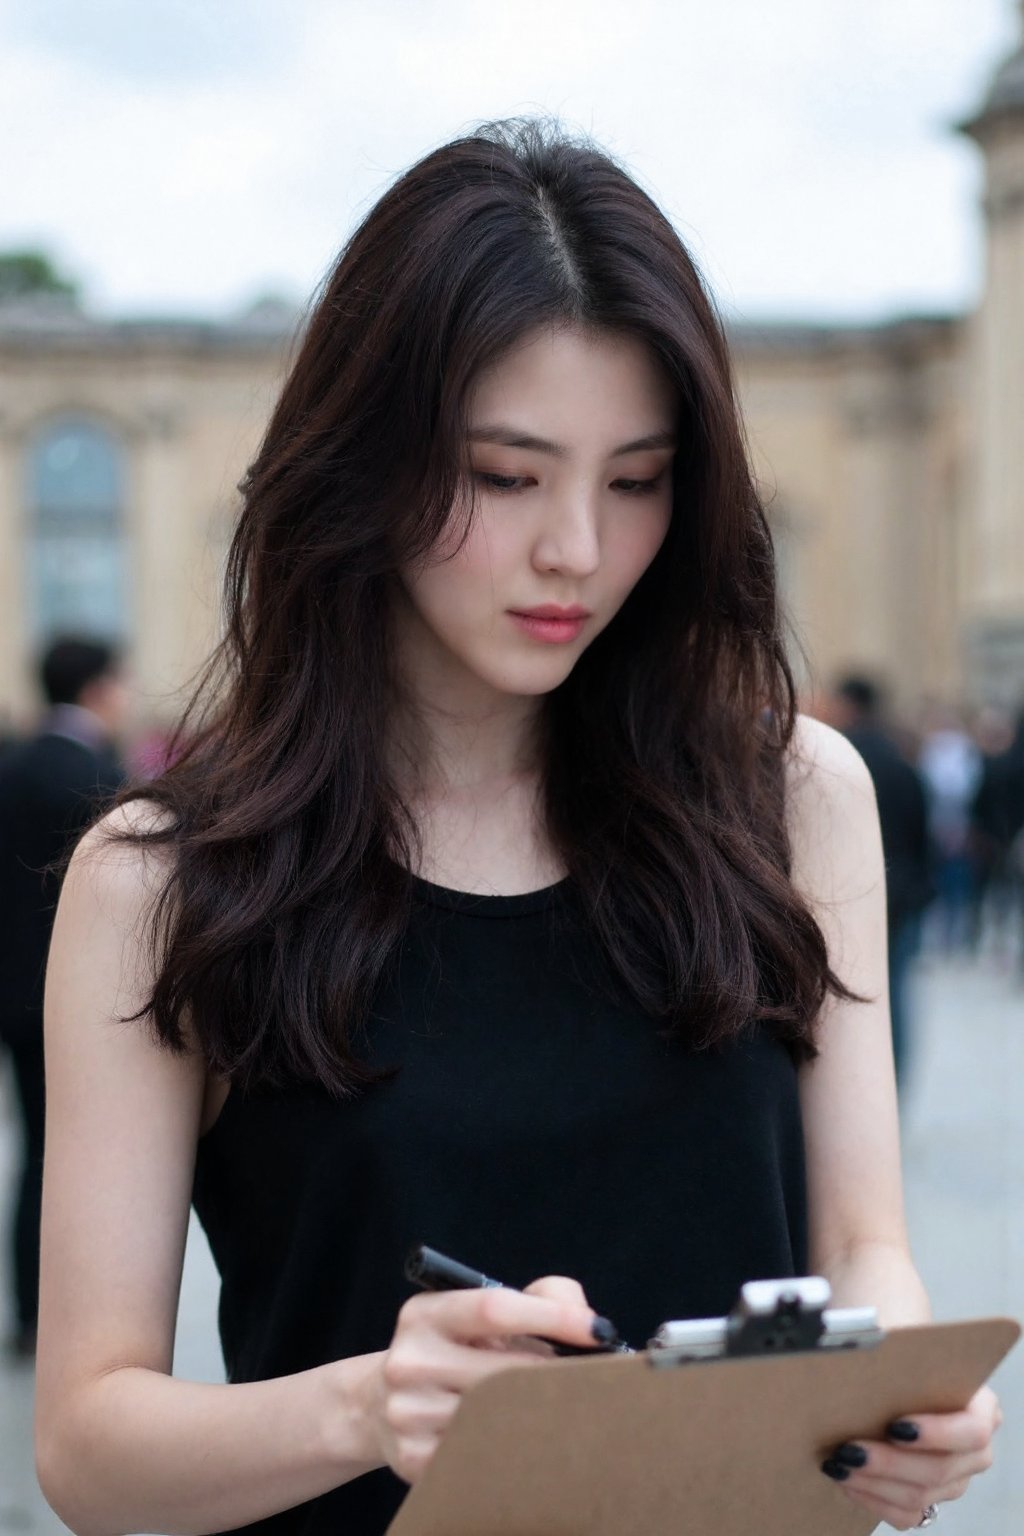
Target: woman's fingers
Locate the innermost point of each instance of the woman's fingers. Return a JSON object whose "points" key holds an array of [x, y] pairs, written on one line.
{"points": [[897, 1515], [918, 1469], [557, 1288], [970, 1430], [420, 1412], [907, 1495], [471, 1317], [445, 1342], [415, 1420], [928, 1447], [927, 1460]]}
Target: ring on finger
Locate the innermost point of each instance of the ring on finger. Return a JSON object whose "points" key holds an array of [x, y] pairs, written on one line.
{"points": [[929, 1517]]}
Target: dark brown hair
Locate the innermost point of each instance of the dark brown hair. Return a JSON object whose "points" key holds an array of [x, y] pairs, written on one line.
{"points": [[288, 890]]}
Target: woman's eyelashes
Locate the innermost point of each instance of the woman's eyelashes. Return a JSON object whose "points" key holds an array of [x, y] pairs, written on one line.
{"points": [[510, 484], [637, 487], [500, 482]]}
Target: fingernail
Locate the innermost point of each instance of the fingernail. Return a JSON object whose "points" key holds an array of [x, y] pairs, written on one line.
{"points": [[850, 1455], [832, 1469], [604, 1332], [903, 1429]]}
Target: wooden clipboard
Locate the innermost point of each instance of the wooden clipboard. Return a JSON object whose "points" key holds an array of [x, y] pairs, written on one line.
{"points": [[724, 1447]]}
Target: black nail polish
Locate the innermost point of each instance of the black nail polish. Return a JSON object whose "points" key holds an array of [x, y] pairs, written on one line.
{"points": [[837, 1473], [903, 1429], [604, 1332], [850, 1455]]}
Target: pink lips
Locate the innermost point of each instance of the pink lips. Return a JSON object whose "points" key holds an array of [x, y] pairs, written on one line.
{"points": [[551, 623]]}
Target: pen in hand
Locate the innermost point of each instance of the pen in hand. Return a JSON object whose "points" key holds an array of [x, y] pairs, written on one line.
{"points": [[434, 1271]]}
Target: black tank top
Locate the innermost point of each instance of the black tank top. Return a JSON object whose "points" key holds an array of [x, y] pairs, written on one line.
{"points": [[537, 1125]]}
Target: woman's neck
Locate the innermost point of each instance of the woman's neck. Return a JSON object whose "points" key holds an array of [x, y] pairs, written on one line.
{"points": [[461, 752], [466, 760], [475, 794]]}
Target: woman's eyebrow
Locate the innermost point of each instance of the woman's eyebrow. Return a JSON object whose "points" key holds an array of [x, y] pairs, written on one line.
{"points": [[509, 437]]}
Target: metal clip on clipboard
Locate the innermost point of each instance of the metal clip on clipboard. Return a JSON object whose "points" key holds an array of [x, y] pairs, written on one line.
{"points": [[771, 1317]]}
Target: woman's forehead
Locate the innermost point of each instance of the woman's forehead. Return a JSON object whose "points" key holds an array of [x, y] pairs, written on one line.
{"points": [[605, 383]]}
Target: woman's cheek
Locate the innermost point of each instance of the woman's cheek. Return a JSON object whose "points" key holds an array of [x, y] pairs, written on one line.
{"points": [[637, 549]]}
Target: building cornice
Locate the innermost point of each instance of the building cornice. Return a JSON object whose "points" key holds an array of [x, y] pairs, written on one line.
{"points": [[42, 324], [905, 335], [1004, 103], [84, 335]]}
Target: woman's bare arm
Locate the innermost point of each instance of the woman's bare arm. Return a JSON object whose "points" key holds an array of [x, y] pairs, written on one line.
{"points": [[858, 1237], [857, 1232], [121, 1445]]}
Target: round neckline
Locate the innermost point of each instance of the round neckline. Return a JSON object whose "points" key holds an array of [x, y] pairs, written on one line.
{"points": [[478, 904]]}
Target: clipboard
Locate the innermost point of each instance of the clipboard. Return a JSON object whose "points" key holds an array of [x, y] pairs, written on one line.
{"points": [[716, 1429]]}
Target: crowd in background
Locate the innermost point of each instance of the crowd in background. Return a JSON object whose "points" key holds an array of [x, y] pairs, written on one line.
{"points": [[949, 785], [950, 791], [969, 766]]}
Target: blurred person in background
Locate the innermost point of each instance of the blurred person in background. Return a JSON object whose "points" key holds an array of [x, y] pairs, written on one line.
{"points": [[8, 739], [856, 710], [50, 786], [950, 764], [992, 728], [997, 827]]}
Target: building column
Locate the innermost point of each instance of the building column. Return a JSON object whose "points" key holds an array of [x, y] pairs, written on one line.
{"points": [[993, 613], [161, 545]]}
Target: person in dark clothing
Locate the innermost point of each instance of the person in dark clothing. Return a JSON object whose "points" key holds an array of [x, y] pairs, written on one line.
{"points": [[489, 907], [903, 813], [997, 825], [50, 787], [8, 742]]}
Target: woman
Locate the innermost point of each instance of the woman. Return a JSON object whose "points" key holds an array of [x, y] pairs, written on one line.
{"points": [[493, 903]]}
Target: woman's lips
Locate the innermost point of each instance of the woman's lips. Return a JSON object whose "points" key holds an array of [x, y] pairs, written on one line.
{"points": [[555, 631]]}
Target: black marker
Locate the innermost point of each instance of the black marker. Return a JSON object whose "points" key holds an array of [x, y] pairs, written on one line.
{"points": [[433, 1271]]}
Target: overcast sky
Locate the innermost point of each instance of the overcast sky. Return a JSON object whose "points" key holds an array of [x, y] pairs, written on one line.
{"points": [[188, 156]]}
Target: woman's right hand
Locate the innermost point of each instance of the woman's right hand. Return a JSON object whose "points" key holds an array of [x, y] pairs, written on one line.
{"points": [[447, 1341]]}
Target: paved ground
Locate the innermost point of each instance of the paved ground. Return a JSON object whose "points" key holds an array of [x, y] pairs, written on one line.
{"points": [[964, 1156]]}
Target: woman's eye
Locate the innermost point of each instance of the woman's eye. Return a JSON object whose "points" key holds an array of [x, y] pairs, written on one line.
{"points": [[510, 483], [638, 487], [500, 482]]}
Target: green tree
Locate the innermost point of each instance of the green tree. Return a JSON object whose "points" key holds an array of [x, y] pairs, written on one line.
{"points": [[28, 272]]}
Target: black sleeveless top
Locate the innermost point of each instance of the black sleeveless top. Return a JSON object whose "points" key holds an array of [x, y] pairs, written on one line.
{"points": [[536, 1125]]}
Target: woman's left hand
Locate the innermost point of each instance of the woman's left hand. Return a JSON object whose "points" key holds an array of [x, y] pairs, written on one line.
{"points": [[925, 1460]]}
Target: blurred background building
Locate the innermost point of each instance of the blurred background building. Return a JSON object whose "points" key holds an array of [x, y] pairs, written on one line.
{"points": [[121, 445], [892, 458]]}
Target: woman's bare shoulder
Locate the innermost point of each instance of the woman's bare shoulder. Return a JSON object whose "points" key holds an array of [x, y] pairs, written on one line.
{"points": [[831, 812], [114, 864], [111, 924], [819, 745], [818, 755]]}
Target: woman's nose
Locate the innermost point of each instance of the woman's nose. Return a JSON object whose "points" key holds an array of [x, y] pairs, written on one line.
{"points": [[569, 538]]}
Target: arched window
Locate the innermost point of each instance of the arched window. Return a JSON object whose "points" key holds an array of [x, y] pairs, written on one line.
{"points": [[78, 560]]}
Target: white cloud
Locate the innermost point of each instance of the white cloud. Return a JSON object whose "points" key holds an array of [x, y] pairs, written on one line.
{"points": [[801, 147]]}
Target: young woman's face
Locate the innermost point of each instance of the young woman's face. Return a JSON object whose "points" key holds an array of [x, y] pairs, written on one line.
{"points": [[570, 462]]}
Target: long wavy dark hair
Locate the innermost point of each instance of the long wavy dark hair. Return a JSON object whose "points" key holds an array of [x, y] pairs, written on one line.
{"points": [[288, 891]]}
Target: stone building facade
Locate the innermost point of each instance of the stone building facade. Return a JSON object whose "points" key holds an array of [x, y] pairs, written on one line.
{"points": [[892, 458], [121, 446]]}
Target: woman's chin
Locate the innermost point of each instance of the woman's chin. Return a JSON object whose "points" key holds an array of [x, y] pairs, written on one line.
{"points": [[540, 676]]}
